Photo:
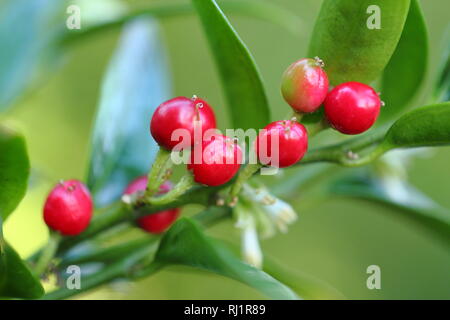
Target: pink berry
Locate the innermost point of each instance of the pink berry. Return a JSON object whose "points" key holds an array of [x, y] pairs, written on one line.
{"points": [[68, 208], [291, 143], [352, 107], [305, 85]]}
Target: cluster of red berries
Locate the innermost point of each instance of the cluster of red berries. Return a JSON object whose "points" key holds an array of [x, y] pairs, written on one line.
{"points": [[68, 208], [350, 108], [219, 157]]}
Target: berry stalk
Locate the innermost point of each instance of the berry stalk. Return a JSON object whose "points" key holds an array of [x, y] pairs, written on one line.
{"points": [[185, 183], [157, 172], [48, 253], [242, 178]]}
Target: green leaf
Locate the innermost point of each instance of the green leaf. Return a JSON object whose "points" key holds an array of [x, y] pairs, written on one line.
{"points": [[409, 63], [135, 83], [303, 284], [240, 77], [442, 88], [351, 51], [426, 126], [14, 170], [185, 244], [18, 280], [27, 29], [412, 204]]}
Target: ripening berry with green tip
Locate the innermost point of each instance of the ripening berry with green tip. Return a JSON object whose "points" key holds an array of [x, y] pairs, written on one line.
{"points": [[304, 85]]}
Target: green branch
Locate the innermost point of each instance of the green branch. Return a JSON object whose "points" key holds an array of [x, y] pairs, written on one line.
{"points": [[351, 153], [157, 173], [185, 183], [242, 178], [134, 259], [48, 253]]}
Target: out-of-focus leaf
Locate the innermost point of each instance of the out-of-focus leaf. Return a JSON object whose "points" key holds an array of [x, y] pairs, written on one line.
{"points": [[300, 178], [304, 285], [351, 51], [18, 280], [426, 126], [261, 9], [14, 170], [135, 83], [27, 31], [240, 77], [185, 244], [442, 89], [394, 193], [407, 68]]}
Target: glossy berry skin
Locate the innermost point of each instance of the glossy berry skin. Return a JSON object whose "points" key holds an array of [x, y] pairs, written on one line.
{"points": [[180, 113], [352, 107], [156, 222], [68, 208], [216, 162], [304, 85], [292, 139]]}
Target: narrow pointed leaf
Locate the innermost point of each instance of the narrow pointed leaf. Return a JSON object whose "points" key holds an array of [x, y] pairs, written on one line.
{"points": [[350, 49], [409, 63], [303, 284], [27, 31], [442, 87], [185, 244], [426, 126], [135, 83], [241, 80]]}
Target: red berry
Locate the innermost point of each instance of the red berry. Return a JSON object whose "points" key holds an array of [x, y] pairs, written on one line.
{"points": [[156, 222], [352, 107], [216, 162], [68, 208], [180, 113], [292, 140], [305, 85]]}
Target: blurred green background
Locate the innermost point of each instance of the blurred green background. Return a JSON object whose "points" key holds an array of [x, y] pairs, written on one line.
{"points": [[335, 240]]}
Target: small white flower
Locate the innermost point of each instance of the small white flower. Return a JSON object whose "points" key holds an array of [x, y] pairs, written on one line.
{"points": [[250, 246], [281, 213], [126, 198], [251, 250]]}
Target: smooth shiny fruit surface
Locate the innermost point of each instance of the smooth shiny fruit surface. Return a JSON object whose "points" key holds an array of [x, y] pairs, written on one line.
{"points": [[180, 113], [282, 143], [304, 85], [216, 162], [352, 107], [68, 208]]}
